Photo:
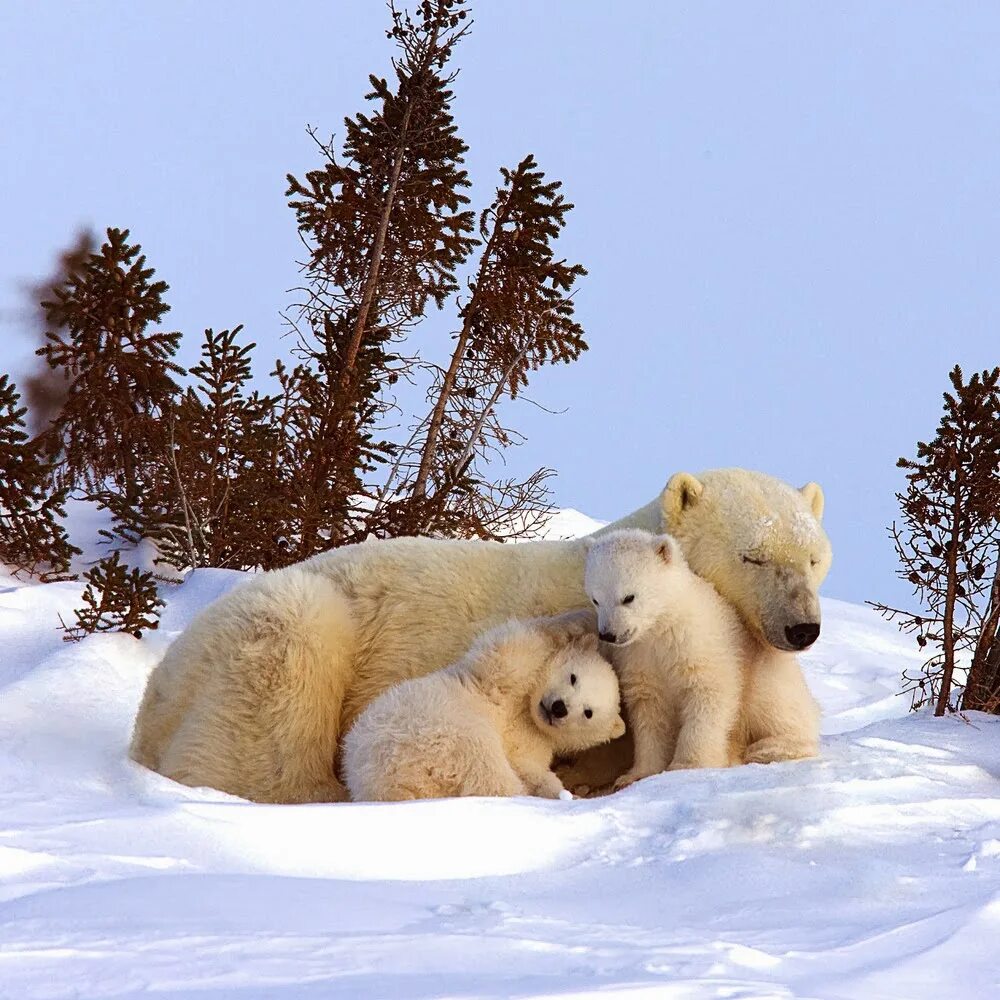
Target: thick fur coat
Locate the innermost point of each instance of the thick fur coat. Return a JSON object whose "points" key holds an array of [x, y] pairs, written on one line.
{"points": [[255, 696], [491, 723]]}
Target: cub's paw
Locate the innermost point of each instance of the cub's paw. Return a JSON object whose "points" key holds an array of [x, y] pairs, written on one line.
{"points": [[566, 795], [694, 763], [549, 789], [773, 750], [629, 778]]}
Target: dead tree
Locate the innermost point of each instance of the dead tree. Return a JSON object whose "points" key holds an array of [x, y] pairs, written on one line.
{"points": [[947, 545]]}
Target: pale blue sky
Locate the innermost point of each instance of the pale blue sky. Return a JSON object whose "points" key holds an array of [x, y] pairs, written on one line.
{"points": [[789, 211]]}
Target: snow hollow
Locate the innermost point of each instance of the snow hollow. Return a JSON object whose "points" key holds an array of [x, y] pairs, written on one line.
{"points": [[872, 872]]}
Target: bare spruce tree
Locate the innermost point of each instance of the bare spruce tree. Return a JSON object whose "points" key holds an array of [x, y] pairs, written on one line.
{"points": [[947, 546], [518, 317], [385, 227]]}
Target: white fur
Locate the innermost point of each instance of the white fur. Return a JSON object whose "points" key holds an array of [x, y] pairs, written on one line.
{"points": [[254, 697], [696, 682], [485, 726]]}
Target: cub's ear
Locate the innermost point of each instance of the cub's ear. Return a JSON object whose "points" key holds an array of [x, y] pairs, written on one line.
{"points": [[813, 494], [618, 729], [588, 542], [681, 493], [588, 643], [570, 624], [666, 548]]}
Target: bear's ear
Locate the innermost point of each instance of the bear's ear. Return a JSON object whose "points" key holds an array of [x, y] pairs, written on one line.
{"points": [[664, 548], [682, 492], [618, 729], [588, 642], [569, 625], [813, 494]]}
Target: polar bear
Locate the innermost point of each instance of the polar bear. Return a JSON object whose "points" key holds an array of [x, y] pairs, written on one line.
{"points": [[491, 723], [695, 680], [255, 695]]}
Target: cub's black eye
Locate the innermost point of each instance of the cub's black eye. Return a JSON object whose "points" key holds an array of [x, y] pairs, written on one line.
{"points": [[594, 599], [813, 562], [588, 713], [572, 679], [629, 599], [753, 562]]}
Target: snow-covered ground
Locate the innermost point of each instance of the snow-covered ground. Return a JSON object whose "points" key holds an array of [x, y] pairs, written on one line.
{"points": [[872, 872]]}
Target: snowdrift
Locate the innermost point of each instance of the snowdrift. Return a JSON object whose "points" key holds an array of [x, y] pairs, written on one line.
{"points": [[873, 872]]}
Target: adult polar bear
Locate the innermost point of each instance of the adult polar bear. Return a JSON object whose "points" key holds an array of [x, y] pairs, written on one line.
{"points": [[254, 696]]}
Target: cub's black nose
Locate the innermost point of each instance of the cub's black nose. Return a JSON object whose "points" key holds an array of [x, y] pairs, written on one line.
{"points": [[803, 635], [558, 709], [608, 637]]}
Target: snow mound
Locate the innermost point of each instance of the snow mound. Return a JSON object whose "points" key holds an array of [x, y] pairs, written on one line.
{"points": [[872, 872]]}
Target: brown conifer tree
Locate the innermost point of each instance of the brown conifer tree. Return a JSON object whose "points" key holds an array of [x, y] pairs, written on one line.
{"points": [[116, 599], [519, 316], [948, 545], [32, 539], [120, 373], [45, 388], [215, 491], [386, 230]]}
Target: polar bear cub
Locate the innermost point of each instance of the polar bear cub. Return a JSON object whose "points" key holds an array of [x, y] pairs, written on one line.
{"points": [[699, 689], [491, 723]]}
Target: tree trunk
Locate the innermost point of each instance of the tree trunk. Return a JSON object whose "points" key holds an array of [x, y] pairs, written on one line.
{"points": [[448, 384], [368, 295], [949, 610], [982, 689]]}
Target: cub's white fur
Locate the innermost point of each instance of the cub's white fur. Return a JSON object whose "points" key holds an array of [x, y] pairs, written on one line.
{"points": [[700, 689], [491, 723]]}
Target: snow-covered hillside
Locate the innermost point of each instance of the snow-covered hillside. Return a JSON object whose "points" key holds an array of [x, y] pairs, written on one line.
{"points": [[873, 872]]}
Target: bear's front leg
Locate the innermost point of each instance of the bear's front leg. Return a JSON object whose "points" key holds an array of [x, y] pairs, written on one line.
{"points": [[708, 714], [651, 726], [782, 717]]}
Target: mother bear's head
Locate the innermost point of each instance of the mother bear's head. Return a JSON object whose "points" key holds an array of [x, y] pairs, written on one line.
{"points": [[759, 542]]}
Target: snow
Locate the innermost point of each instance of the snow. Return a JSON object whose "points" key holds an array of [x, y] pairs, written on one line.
{"points": [[872, 872]]}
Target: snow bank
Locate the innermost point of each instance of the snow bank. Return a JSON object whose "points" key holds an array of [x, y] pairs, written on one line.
{"points": [[872, 872]]}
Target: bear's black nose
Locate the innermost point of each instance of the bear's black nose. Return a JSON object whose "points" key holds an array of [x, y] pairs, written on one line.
{"points": [[803, 635], [558, 709], [608, 637]]}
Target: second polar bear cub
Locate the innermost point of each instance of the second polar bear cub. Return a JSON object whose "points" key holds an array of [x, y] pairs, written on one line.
{"points": [[697, 687], [491, 723]]}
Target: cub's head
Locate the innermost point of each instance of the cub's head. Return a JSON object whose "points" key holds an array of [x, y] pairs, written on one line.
{"points": [[629, 577], [577, 703], [759, 542]]}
